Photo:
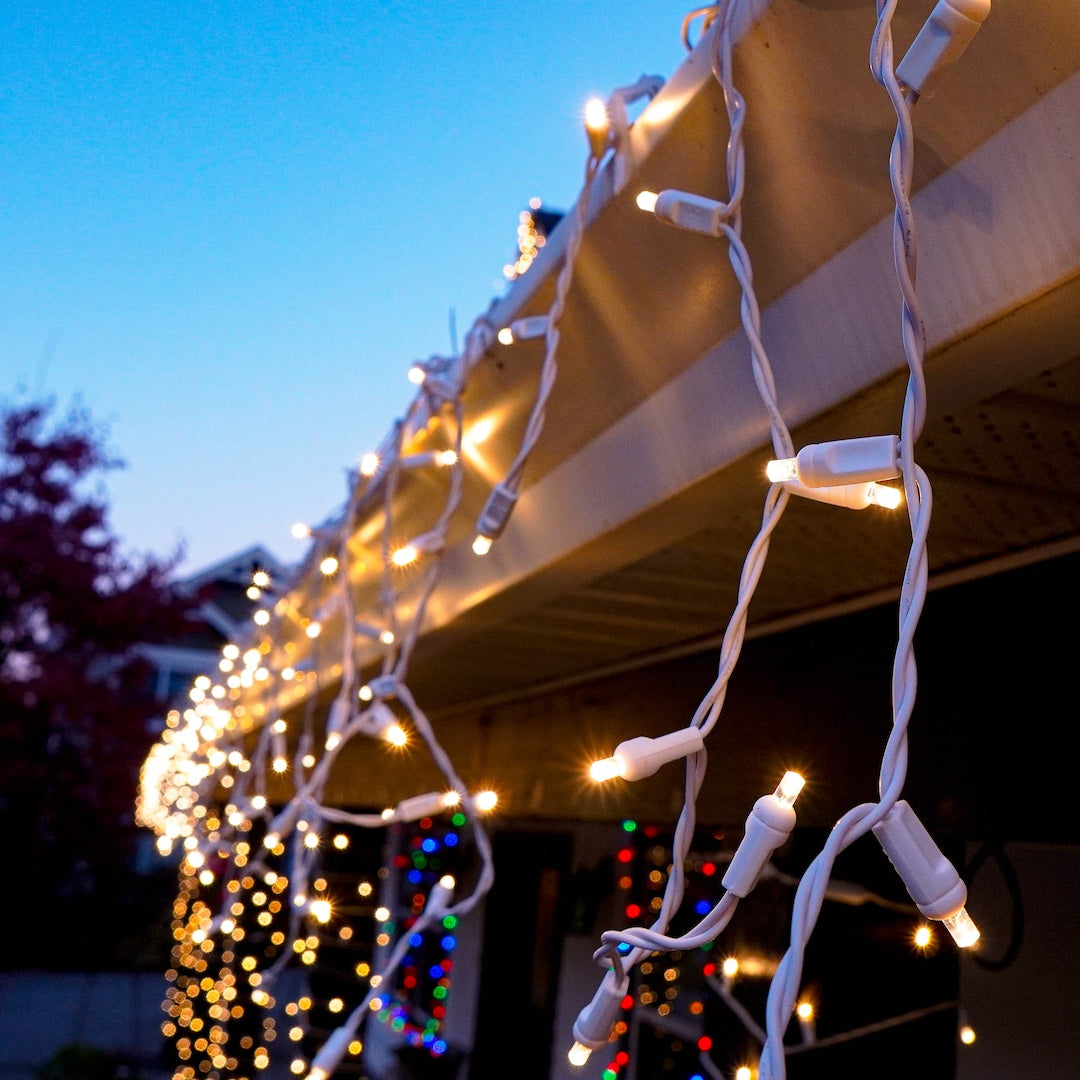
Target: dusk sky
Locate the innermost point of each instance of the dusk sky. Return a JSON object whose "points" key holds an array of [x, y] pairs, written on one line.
{"points": [[227, 230]]}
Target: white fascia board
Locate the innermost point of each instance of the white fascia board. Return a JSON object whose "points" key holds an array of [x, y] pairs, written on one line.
{"points": [[999, 229]]}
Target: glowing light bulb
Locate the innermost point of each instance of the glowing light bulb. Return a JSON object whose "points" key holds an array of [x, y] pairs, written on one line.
{"points": [[888, 498], [963, 929], [967, 1034], [404, 556], [923, 936], [417, 375], [260, 579], [446, 458], [506, 336], [313, 629], [637, 758], [597, 126], [578, 1055], [743, 1072], [780, 469], [482, 545], [485, 801], [280, 765], [320, 910], [787, 791], [328, 565], [300, 531], [396, 735], [604, 769], [369, 464], [646, 201]]}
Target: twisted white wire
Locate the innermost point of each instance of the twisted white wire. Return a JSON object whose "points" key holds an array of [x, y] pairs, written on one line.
{"points": [[549, 368], [861, 819]]}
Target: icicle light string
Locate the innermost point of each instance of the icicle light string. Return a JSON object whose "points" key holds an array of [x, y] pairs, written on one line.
{"points": [[623, 949], [304, 809], [938, 891], [500, 504], [880, 816], [205, 747]]}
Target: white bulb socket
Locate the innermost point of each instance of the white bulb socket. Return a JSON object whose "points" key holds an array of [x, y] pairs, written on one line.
{"points": [[637, 758], [931, 880], [768, 825], [840, 463], [595, 1022], [944, 37]]}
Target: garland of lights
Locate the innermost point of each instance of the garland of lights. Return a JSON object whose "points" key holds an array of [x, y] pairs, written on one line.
{"points": [[266, 865], [846, 473], [254, 894]]}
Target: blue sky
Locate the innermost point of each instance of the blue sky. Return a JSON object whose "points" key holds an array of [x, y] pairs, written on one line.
{"points": [[228, 229]]}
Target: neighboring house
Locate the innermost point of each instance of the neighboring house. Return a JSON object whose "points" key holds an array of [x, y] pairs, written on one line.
{"points": [[226, 607]]}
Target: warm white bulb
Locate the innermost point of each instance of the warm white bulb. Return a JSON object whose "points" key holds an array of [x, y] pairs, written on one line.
{"points": [[781, 469], [446, 457], [743, 1073], [578, 1054], [313, 629], [596, 116], [405, 555], [788, 789], [605, 769], [923, 936], [730, 966], [328, 565], [646, 200], [506, 336], [967, 1034], [963, 929], [882, 495], [300, 531], [369, 464], [396, 735], [485, 801], [482, 545], [416, 374], [804, 1010]]}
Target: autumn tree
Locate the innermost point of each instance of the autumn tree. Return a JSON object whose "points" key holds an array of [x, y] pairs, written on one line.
{"points": [[75, 697]]}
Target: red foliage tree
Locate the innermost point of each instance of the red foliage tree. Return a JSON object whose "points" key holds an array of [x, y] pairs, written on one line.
{"points": [[75, 698]]}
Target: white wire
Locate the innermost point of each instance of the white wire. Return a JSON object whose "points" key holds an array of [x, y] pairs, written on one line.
{"points": [[644, 940], [549, 369], [859, 820]]}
